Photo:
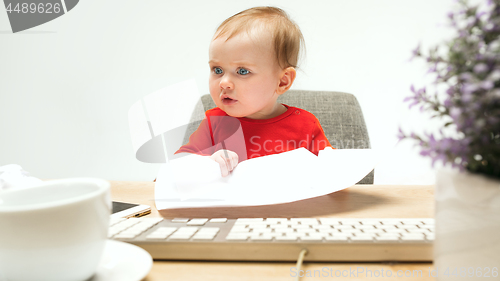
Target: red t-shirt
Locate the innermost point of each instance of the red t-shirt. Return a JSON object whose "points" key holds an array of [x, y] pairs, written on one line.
{"points": [[251, 138]]}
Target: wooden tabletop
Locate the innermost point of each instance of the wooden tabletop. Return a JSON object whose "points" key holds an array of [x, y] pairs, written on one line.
{"points": [[361, 201]]}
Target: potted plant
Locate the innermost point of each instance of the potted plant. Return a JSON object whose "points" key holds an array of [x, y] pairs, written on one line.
{"points": [[467, 101]]}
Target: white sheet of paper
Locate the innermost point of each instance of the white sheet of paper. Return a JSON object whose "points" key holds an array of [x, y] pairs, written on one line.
{"points": [[273, 179]]}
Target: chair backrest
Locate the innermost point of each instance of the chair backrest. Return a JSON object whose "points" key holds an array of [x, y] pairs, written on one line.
{"points": [[338, 113]]}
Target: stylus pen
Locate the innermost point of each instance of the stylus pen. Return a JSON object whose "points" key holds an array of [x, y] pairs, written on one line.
{"points": [[227, 156]]}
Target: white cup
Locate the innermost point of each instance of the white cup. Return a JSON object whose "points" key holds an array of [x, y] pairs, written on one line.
{"points": [[54, 231]]}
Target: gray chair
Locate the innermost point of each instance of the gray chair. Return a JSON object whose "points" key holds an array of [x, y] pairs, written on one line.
{"points": [[338, 113]]}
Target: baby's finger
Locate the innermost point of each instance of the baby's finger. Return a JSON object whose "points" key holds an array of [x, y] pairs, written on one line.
{"points": [[234, 161], [229, 165], [223, 166]]}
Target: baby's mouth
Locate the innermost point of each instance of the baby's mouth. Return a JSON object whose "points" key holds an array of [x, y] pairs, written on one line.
{"points": [[227, 100]]}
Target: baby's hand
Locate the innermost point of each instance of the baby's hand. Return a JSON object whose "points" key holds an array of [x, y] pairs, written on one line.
{"points": [[227, 159]]}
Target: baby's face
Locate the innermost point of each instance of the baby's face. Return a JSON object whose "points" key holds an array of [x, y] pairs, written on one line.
{"points": [[244, 76]]}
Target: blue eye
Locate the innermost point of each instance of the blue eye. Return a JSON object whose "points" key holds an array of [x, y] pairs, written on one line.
{"points": [[217, 70], [243, 71]]}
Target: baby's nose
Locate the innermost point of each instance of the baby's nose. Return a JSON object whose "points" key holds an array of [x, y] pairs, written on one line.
{"points": [[225, 83]]}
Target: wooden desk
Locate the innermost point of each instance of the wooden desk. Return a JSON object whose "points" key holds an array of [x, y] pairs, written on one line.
{"points": [[360, 201]]}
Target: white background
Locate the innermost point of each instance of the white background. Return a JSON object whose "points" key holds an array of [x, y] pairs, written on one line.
{"points": [[66, 86]]}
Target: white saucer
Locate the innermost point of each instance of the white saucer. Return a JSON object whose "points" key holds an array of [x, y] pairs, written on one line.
{"points": [[123, 262]]}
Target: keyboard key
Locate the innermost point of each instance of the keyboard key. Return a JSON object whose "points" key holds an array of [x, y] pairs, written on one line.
{"points": [[336, 238], [263, 230], [197, 222], [419, 230], [165, 229], [114, 221], [261, 238], [126, 235], [412, 226], [411, 221], [412, 237], [281, 226], [132, 231], [329, 221], [305, 221], [204, 234], [218, 220], [322, 227], [277, 220], [373, 231], [203, 237], [361, 238], [386, 226], [396, 230], [343, 227], [365, 227], [142, 226], [350, 222], [371, 222], [258, 226], [157, 236], [187, 229], [127, 223], [151, 221], [139, 227], [245, 220], [303, 226], [240, 230], [388, 236], [183, 220], [411, 232], [304, 230], [286, 238], [317, 238], [118, 228]]}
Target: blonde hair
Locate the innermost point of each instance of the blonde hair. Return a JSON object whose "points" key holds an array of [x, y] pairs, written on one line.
{"points": [[285, 33]]}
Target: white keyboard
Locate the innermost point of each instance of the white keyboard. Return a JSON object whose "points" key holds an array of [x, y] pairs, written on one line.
{"points": [[279, 239]]}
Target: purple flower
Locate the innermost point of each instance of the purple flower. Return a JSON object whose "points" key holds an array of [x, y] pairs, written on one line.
{"points": [[415, 102], [487, 85], [412, 89], [480, 14], [480, 68], [401, 134], [433, 68], [455, 113], [450, 91], [466, 76], [494, 76], [470, 76], [468, 89], [415, 52]]}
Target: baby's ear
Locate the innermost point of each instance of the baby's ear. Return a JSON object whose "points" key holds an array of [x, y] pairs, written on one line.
{"points": [[286, 80]]}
